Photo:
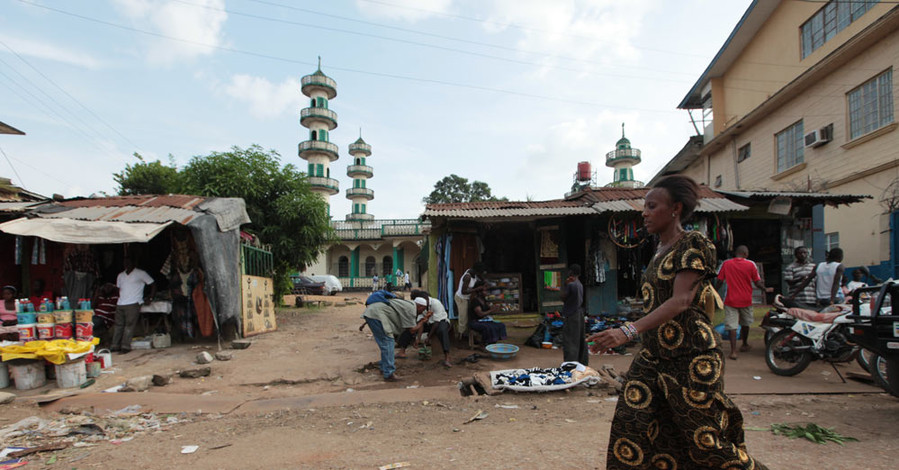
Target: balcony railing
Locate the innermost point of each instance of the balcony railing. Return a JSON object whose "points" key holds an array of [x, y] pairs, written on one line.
{"points": [[360, 217], [319, 81], [360, 192], [622, 154], [319, 114], [320, 182], [359, 170], [318, 146], [379, 229], [360, 148]]}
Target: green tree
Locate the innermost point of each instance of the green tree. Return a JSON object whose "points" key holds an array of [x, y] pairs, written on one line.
{"points": [[284, 212], [146, 177], [454, 188]]}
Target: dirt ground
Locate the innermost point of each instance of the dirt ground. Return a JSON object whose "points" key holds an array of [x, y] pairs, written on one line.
{"points": [[302, 398]]}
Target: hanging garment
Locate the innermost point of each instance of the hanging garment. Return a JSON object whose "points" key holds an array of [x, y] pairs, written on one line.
{"points": [[205, 322]]}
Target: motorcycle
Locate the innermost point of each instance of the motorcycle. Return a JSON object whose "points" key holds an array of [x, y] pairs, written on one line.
{"points": [[796, 340]]}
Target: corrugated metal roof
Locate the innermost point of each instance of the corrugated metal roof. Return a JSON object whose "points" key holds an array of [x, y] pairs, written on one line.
{"points": [[705, 205], [588, 202], [809, 196], [17, 206], [166, 200], [230, 213], [509, 212], [157, 215]]}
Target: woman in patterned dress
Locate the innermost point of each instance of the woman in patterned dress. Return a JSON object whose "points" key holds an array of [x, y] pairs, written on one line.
{"points": [[673, 413]]}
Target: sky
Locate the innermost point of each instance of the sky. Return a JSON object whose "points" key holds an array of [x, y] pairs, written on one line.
{"points": [[510, 92]]}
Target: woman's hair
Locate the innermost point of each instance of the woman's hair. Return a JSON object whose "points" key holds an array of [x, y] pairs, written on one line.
{"points": [[11, 289], [682, 189]]}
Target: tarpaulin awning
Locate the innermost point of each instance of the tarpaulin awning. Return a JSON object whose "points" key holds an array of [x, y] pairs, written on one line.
{"points": [[84, 232]]}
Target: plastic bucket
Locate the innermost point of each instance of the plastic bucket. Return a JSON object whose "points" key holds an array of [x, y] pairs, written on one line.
{"points": [[46, 331], [46, 318], [93, 369], [63, 331], [26, 318], [84, 331], [84, 316], [4, 375], [104, 357], [71, 374], [27, 332], [63, 316], [28, 375]]}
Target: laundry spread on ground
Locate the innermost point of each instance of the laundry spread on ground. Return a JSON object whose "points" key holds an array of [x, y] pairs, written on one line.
{"points": [[537, 379]]}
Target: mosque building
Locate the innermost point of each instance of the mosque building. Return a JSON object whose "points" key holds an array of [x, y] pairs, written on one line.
{"points": [[365, 246]]}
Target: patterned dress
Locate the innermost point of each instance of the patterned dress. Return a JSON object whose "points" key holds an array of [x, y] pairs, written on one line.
{"points": [[673, 413]]}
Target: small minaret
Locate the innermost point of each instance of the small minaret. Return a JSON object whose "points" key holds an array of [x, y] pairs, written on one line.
{"points": [[623, 159], [360, 171], [318, 151]]}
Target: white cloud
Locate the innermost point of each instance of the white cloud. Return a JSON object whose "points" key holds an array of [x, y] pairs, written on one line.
{"points": [[199, 23], [404, 10], [595, 30], [44, 50], [266, 100]]}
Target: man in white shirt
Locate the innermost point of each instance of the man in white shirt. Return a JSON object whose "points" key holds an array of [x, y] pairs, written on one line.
{"points": [[131, 283]]}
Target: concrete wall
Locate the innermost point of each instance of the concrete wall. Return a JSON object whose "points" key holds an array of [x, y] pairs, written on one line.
{"points": [[773, 59], [865, 165]]}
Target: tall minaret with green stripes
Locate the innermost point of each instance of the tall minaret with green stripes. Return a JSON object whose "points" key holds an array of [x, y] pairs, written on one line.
{"points": [[318, 150], [360, 171]]}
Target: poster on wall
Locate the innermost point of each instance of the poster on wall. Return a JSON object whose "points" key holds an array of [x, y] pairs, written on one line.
{"points": [[258, 308]]}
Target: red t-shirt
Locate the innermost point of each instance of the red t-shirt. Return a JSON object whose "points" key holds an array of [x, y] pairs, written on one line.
{"points": [[739, 273]]}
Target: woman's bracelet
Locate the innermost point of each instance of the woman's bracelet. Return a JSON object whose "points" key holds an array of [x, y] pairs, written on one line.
{"points": [[630, 331]]}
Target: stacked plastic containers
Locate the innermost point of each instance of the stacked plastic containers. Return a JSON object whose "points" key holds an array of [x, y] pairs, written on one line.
{"points": [[84, 321]]}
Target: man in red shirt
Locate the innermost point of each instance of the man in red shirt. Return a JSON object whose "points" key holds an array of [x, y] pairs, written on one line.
{"points": [[740, 274]]}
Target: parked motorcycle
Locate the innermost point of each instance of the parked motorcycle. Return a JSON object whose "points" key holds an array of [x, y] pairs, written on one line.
{"points": [[795, 342]]}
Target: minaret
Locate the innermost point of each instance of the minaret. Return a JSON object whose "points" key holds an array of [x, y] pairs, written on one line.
{"points": [[360, 171], [623, 159], [320, 121]]}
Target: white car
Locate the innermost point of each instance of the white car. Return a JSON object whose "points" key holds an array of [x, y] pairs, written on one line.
{"points": [[332, 284]]}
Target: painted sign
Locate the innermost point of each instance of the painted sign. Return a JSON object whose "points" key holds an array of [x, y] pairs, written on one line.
{"points": [[258, 308]]}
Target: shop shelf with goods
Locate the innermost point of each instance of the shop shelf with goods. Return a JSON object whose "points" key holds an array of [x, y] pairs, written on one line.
{"points": [[504, 291], [552, 277]]}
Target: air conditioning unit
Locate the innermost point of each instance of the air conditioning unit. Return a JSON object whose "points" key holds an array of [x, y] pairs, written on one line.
{"points": [[818, 137]]}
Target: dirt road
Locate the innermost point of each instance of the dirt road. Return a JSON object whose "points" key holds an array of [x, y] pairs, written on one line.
{"points": [[301, 398]]}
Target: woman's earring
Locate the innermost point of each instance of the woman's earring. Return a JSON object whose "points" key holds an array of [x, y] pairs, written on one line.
{"points": [[673, 215]]}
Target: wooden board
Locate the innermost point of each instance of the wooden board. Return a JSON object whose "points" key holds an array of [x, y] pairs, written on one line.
{"points": [[258, 311]]}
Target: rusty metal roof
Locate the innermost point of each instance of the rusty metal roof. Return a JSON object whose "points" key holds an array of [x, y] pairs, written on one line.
{"points": [[151, 200], [156, 209], [158, 215], [588, 202], [489, 209], [714, 204], [825, 198]]}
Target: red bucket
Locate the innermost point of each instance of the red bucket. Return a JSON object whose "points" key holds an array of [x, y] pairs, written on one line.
{"points": [[64, 331], [46, 331]]}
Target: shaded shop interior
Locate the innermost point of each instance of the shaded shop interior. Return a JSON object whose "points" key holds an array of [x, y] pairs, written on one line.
{"points": [[190, 245], [528, 246]]}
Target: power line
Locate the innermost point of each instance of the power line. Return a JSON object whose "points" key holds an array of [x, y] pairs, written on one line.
{"points": [[126, 139], [342, 69], [456, 39], [21, 181], [415, 43], [68, 122], [517, 26]]}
